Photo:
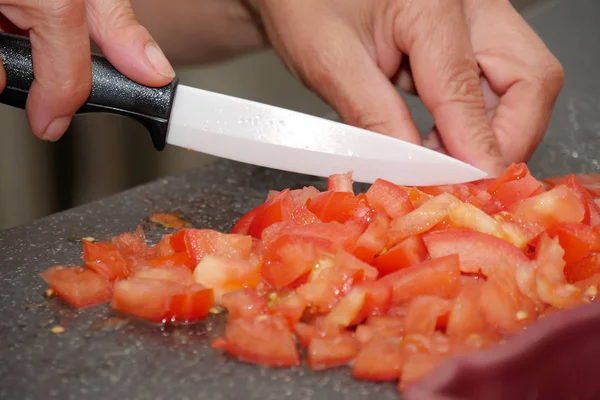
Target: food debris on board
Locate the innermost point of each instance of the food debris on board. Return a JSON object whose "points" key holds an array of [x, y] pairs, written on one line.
{"points": [[390, 282], [169, 220]]}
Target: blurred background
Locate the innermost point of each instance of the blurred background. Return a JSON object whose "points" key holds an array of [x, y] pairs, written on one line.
{"points": [[101, 155]]}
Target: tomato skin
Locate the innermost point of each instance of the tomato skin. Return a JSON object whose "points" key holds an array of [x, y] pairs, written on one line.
{"points": [[290, 307], [199, 242], [583, 269], [224, 275], [302, 216], [592, 209], [438, 276], [334, 206], [263, 340], [423, 314], [105, 259], [275, 210], [192, 304], [577, 240], [388, 198], [76, 286], [558, 205], [409, 251], [129, 243], [244, 303], [163, 247], [372, 241]]}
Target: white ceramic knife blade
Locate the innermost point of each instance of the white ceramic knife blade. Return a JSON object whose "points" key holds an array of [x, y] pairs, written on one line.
{"points": [[269, 136]]}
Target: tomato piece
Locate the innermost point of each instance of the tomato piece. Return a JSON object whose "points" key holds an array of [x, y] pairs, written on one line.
{"points": [[340, 235], [417, 367], [515, 184], [409, 251], [243, 224], [225, 275], [163, 247], [389, 326], [577, 240], [302, 216], [551, 283], [372, 241], [583, 269], [388, 198], [305, 333], [290, 257], [148, 299], [190, 304], [340, 183], [347, 311], [503, 305], [131, 242], [592, 209], [76, 286], [438, 277], [422, 219], [169, 220], [105, 259], [334, 206], [378, 298], [177, 241], [291, 307], [558, 205], [379, 360], [423, 314], [275, 210], [465, 318], [176, 274], [174, 260], [199, 242], [263, 340], [332, 351], [244, 303], [301, 196]]}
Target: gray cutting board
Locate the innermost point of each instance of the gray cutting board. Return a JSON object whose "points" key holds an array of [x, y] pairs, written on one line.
{"points": [[98, 361]]}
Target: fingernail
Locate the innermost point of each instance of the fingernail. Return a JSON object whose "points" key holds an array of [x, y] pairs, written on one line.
{"points": [[56, 129], [158, 60]]}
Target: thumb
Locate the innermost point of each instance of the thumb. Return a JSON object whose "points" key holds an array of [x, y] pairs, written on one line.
{"points": [[126, 44]]}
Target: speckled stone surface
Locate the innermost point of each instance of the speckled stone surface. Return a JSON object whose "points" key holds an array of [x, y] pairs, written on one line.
{"points": [[100, 358]]}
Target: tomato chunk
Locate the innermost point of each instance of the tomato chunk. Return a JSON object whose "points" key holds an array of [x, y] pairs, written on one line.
{"points": [[77, 286], [333, 351], [389, 198], [105, 259]]}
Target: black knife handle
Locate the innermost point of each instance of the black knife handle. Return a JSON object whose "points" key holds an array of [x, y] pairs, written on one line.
{"points": [[111, 93]]}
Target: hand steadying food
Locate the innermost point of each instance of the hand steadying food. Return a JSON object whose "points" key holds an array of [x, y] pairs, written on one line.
{"points": [[469, 60]]}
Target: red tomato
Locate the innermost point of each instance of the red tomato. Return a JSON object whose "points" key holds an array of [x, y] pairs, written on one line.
{"points": [[330, 352], [592, 210], [264, 340], [379, 360], [389, 198], [244, 303], [514, 184], [176, 274], [583, 269], [340, 235], [105, 259], [275, 210], [131, 242], [241, 227], [372, 241], [409, 251], [77, 286], [169, 220], [438, 277], [465, 318], [191, 304], [423, 314], [340, 183], [558, 205], [199, 242], [334, 206], [290, 257], [577, 240], [301, 196], [291, 307], [163, 247], [176, 259], [225, 275], [302, 216]]}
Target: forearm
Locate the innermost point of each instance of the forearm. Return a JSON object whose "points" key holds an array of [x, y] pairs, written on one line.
{"points": [[200, 31]]}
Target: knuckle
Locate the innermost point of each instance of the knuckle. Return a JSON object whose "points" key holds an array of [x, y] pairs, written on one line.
{"points": [[551, 76], [484, 139], [74, 92], [462, 81]]}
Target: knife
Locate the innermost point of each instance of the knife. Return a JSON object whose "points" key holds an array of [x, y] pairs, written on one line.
{"points": [[243, 130]]}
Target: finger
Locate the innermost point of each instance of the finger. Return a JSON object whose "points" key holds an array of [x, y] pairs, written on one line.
{"points": [[60, 50], [519, 67], [433, 141], [127, 44], [328, 57], [435, 35]]}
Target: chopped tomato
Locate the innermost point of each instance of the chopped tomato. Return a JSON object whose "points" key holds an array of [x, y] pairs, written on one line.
{"points": [[199, 242], [558, 205], [105, 259], [263, 339], [332, 351], [244, 303], [302, 216], [191, 304], [423, 314], [592, 209], [438, 277], [409, 251], [340, 183], [577, 240], [290, 257], [389, 198], [291, 307], [301, 196], [514, 185], [173, 260], [77, 286], [583, 269], [225, 275], [334, 206], [379, 360], [131, 242], [241, 227], [163, 247], [275, 210], [372, 241]]}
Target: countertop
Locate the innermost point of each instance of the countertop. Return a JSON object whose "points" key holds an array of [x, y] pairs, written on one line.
{"points": [[117, 359]]}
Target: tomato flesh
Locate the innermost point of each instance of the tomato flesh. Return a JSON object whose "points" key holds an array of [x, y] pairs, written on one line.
{"points": [[77, 286]]}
